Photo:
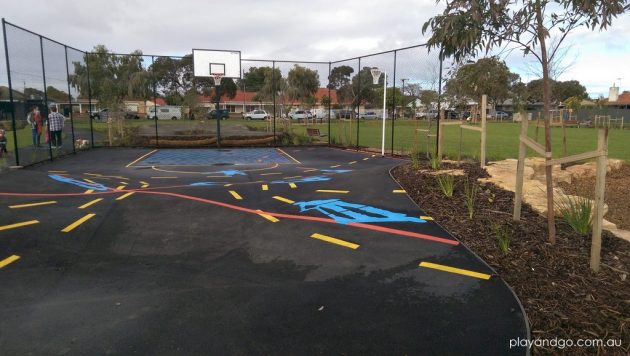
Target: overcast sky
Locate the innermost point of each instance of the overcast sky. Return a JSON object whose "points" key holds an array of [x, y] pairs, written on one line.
{"points": [[290, 30]]}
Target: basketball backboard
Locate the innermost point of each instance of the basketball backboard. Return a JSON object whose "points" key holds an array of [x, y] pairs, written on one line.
{"points": [[207, 61]]}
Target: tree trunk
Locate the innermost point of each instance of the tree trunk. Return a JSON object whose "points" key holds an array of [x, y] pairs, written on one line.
{"points": [[547, 108]]}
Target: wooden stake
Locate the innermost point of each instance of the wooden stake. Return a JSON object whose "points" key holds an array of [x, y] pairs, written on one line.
{"points": [[600, 188], [440, 137], [484, 105], [520, 171]]}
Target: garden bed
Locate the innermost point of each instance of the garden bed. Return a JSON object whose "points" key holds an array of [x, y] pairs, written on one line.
{"points": [[563, 299]]}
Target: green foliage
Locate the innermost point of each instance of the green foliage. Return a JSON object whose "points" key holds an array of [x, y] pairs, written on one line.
{"points": [[470, 196], [446, 183], [326, 101], [302, 83], [503, 234], [576, 212], [428, 97], [415, 156], [435, 163], [560, 91]]}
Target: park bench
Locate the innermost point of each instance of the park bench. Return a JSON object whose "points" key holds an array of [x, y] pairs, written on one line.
{"points": [[314, 133], [571, 123]]}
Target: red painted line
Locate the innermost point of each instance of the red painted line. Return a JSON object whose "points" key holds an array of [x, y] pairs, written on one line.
{"points": [[253, 211]]}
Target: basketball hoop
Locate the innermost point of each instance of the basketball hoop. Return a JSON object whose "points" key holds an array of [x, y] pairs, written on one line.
{"points": [[217, 78], [376, 74]]}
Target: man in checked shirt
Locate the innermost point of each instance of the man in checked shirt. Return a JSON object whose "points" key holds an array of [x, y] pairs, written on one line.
{"points": [[55, 122]]}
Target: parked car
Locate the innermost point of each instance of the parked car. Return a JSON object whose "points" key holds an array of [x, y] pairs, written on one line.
{"points": [[131, 115], [299, 115], [223, 114], [451, 114], [369, 115], [102, 114], [502, 115], [344, 114], [257, 115], [165, 113]]}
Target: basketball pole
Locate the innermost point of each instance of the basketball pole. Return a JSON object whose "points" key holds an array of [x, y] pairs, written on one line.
{"points": [[217, 93]]}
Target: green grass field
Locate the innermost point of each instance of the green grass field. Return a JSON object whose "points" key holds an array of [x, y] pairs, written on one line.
{"points": [[502, 141]]}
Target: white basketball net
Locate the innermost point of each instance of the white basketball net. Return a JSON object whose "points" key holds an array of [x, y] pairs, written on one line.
{"points": [[376, 74], [217, 78]]}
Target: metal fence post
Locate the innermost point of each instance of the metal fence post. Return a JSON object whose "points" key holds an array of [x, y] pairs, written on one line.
{"points": [[273, 89], [87, 65], [74, 149], [439, 107], [394, 102], [329, 102], [154, 82], [358, 104], [6, 54], [41, 47]]}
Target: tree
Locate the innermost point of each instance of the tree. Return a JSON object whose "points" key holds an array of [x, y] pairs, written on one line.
{"points": [[364, 89], [469, 26], [55, 94], [254, 79], [340, 80], [272, 82], [428, 98], [560, 90], [489, 76], [302, 83], [325, 101]]}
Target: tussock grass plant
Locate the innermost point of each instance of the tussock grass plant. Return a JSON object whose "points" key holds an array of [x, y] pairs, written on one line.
{"points": [[503, 236], [576, 212], [446, 183], [415, 157], [470, 196], [436, 163]]}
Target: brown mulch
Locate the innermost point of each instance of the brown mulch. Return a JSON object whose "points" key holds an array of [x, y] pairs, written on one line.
{"points": [[617, 194], [562, 298]]}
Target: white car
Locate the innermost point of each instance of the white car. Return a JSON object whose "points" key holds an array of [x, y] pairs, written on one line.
{"points": [[257, 115], [369, 115], [165, 113], [300, 115]]}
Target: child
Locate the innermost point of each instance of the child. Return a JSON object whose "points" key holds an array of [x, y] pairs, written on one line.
{"points": [[3, 143]]}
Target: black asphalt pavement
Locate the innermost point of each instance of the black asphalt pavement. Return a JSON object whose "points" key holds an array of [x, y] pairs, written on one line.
{"points": [[321, 254]]}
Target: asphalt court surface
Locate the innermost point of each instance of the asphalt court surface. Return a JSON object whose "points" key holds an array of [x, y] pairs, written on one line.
{"points": [[304, 251]]}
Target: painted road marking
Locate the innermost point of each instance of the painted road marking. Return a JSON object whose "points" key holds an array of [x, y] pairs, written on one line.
{"points": [[310, 170], [57, 171], [464, 272], [123, 183], [292, 185], [144, 183], [353, 162], [366, 158], [89, 180], [398, 191], [90, 203], [125, 196], [373, 155], [267, 216], [236, 195], [296, 161], [335, 166], [264, 187], [32, 204], [289, 201], [163, 177], [292, 177], [141, 157], [89, 191], [7, 261], [270, 174], [335, 241], [144, 186], [423, 217], [227, 185], [16, 225], [332, 191], [78, 222], [120, 187]]}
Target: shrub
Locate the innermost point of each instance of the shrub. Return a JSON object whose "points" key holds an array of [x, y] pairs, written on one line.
{"points": [[503, 236], [470, 196], [447, 183], [576, 212]]}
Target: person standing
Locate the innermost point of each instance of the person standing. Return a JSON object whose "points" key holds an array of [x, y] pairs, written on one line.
{"points": [[34, 118], [55, 126]]}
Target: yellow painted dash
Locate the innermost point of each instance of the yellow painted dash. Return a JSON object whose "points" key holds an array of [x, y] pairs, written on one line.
{"points": [[310, 170], [291, 177], [144, 186], [120, 187], [270, 174], [227, 185], [32, 204], [16, 225], [163, 177], [90, 203], [144, 183], [464, 272], [57, 171], [292, 185], [267, 216], [335, 166], [124, 196], [264, 187], [353, 162], [428, 218], [289, 201], [124, 183], [236, 195], [335, 241], [366, 158], [7, 261], [398, 191], [89, 191], [78, 222], [332, 191], [89, 180]]}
